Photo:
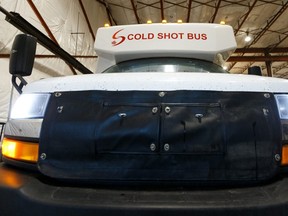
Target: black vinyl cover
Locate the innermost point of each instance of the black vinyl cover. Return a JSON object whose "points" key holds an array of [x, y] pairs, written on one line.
{"points": [[177, 136]]}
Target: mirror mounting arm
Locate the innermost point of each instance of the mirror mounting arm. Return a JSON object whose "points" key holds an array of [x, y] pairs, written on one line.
{"points": [[19, 86]]}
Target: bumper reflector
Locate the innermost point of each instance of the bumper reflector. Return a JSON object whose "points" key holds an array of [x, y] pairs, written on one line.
{"points": [[284, 161], [20, 150]]}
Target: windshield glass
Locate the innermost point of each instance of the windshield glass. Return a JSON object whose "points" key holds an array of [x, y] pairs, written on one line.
{"points": [[165, 65]]}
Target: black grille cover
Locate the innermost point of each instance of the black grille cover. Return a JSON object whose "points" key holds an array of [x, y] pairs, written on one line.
{"points": [[177, 136]]}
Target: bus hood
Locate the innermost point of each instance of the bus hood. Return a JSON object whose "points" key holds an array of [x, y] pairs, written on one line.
{"points": [[160, 81]]}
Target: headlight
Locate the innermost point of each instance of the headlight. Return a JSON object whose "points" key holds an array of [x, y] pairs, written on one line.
{"points": [[30, 106], [282, 103]]}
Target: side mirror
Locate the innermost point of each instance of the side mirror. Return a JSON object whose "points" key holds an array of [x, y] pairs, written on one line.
{"points": [[22, 59], [255, 70]]}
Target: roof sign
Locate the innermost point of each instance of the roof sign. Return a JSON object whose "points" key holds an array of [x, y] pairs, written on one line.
{"points": [[210, 42]]}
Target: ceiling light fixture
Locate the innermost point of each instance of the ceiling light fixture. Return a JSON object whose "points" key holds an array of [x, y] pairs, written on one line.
{"points": [[248, 37]]}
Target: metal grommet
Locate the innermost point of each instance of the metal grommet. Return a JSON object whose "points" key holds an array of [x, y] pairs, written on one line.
{"points": [[57, 94], [152, 147], [267, 95], [277, 157], [166, 147], [161, 94], [43, 156], [199, 116], [60, 109], [265, 111], [154, 110], [167, 110], [122, 115]]}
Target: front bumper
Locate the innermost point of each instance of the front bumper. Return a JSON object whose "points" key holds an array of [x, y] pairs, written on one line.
{"points": [[28, 193]]}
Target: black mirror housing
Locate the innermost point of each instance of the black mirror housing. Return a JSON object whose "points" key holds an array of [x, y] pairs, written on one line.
{"points": [[255, 70], [22, 55]]}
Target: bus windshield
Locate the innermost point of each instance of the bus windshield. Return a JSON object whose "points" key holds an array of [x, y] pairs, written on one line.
{"points": [[165, 65]]}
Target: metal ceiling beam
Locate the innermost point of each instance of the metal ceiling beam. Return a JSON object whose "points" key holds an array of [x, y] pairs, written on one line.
{"points": [[47, 29], [257, 58], [268, 30], [172, 4], [216, 11], [135, 11], [108, 12], [2, 55], [42, 21], [162, 9], [189, 11], [271, 2], [245, 17], [87, 19], [50, 56], [109, 17], [234, 3], [268, 66], [276, 69], [148, 5], [204, 3], [268, 25], [262, 50], [277, 44], [117, 5]]}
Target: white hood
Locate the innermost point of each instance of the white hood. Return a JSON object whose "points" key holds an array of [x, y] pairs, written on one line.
{"points": [[161, 82]]}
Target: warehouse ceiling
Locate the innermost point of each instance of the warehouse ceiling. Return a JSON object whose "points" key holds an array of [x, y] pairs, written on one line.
{"points": [[264, 20]]}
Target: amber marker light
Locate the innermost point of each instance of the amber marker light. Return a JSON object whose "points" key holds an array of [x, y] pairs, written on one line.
{"points": [[149, 21], [164, 21], [20, 150], [106, 25], [222, 22], [284, 158], [179, 21]]}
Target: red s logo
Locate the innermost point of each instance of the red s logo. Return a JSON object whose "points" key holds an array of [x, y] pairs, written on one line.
{"points": [[115, 37]]}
